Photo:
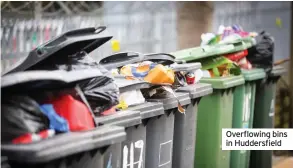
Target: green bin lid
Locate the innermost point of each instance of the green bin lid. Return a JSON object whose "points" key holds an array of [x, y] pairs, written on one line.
{"points": [[224, 82], [277, 71], [193, 54], [253, 74]]}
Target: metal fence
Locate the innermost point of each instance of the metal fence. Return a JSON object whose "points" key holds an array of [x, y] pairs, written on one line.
{"points": [[139, 26]]}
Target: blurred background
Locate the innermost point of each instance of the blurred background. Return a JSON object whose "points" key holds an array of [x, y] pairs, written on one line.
{"points": [[149, 27]]}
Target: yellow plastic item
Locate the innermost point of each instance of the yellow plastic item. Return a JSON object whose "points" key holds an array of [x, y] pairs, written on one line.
{"points": [[122, 105], [115, 45], [160, 75]]}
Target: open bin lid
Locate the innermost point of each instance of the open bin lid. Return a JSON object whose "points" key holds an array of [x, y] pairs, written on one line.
{"points": [[69, 43], [186, 67], [148, 109], [193, 54], [160, 58], [128, 85], [253, 74], [125, 118], [224, 82], [46, 79], [63, 145], [197, 90], [120, 59], [171, 102], [277, 71]]}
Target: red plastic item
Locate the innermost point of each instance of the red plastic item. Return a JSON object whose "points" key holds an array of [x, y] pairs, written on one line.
{"points": [[190, 78], [237, 55], [29, 138], [75, 112], [109, 112]]}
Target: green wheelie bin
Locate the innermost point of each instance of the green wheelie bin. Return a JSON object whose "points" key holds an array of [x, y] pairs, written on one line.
{"points": [[243, 109], [214, 113], [264, 114]]}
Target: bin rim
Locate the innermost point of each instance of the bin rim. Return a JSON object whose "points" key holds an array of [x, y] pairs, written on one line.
{"points": [[253, 74], [224, 82]]}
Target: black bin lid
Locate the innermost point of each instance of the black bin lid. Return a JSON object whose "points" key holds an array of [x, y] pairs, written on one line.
{"points": [[120, 59], [69, 43]]}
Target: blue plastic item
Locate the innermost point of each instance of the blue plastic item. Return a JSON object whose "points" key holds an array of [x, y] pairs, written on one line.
{"points": [[57, 122]]}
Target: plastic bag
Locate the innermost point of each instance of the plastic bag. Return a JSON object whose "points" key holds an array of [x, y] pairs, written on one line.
{"points": [[261, 55], [56, 122], [132, 97], [76, 113], [21, 115], [101, 92]]}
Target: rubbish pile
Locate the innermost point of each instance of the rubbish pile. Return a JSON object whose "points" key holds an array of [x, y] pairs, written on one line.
{"points": [[60, 92], [229, 50], [160, 73]]}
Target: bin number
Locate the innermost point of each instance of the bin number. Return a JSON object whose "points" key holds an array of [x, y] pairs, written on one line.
{"points": [[126, 152], [246, 107], [272, 110]]}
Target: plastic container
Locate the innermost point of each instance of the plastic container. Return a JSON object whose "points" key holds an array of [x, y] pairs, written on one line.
{"points": [[74, 149], [243, 109], [133, 149], [264, 114], [214, 113]]}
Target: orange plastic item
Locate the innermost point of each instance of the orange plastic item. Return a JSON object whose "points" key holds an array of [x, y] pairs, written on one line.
{"points": [[160, 75], [75, 112]]}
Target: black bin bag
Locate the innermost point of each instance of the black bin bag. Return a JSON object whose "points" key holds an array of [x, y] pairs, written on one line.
{"points": [[70, 52], [261, 55], [21, 115]]}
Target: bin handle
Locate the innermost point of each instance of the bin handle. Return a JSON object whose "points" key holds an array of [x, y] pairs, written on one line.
{"points": [[95, 30], [154, 54]]}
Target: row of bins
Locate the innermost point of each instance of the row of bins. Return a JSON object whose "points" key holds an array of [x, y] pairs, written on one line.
{"points": [[152, 134], [244, 101]]}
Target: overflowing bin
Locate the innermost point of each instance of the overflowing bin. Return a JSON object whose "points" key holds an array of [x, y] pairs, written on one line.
{"points": [[133, 149], [68, 149], [185, 125], [264, 114], [160, 126], [160, 132], [243, 110]]}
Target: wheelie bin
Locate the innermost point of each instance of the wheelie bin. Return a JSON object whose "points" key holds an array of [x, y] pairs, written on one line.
{"points": [[208, 150], [185, 125], [134, 148], [72, 149], [264, 114], [134, 118], [159, 128], [243, 109]]}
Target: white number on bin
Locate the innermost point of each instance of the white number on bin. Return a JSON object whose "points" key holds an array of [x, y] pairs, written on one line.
{"points": [[246, 107], [126, 152]]}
